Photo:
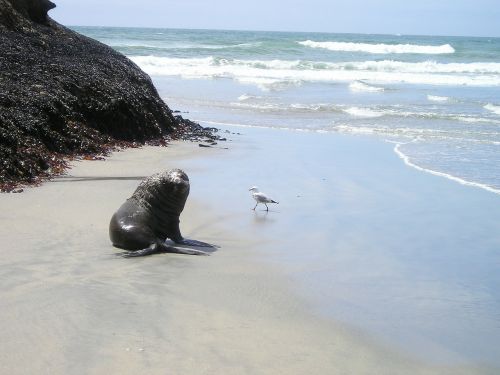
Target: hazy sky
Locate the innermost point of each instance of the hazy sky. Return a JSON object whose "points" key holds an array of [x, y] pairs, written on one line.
{"points": [[423, 17]]}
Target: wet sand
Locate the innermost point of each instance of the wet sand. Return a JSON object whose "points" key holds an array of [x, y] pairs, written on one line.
{"points": [[69, 305]]}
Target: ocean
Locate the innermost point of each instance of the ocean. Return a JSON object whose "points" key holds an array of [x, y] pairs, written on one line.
{"points": [[436, 98]]}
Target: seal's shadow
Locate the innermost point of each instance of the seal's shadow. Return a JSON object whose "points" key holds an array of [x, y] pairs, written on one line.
{"points": [[70, 178]]}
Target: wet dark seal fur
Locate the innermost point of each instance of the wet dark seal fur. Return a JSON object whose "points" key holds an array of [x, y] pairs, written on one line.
{"points": [[151, 216]]}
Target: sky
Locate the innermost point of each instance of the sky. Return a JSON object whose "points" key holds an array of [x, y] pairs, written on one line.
{"points": [[416, 17]]}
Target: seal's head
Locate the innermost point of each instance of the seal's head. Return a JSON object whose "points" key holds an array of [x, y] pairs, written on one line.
{"points": [[164, 192], [177, 180]]}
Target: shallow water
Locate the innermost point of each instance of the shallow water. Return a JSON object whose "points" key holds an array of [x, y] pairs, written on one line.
{"points": [[407, 257]]}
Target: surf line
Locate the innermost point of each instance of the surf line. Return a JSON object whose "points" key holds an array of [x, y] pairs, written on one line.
{"points": [[461, 181]]}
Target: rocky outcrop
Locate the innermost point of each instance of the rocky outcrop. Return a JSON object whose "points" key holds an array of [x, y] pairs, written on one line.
{"points": [[62, 93]]}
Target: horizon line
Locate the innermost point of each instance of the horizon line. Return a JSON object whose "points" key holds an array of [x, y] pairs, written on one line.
{"points": [[283, 31]]}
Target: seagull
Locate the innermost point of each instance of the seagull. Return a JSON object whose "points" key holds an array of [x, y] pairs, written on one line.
{"points": [[260, 197]]}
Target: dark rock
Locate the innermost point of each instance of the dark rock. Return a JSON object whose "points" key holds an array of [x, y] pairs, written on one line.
{"points": [[190, 130], [63, 94]]}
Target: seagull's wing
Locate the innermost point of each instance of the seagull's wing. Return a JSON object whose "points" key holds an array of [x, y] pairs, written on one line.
{"points": [[262, 198]]}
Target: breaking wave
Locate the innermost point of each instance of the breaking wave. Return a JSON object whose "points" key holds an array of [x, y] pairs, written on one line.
{"points": [[493, 108], [436, 98], [278, 74], [359, 86], [380, 48], [363, 112]]}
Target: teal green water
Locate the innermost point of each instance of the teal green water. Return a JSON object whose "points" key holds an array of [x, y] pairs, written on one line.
{"points": [[283, 45]]}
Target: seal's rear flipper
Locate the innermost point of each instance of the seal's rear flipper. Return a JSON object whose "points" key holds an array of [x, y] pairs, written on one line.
{"points": [[161, 248], [186, 242]]}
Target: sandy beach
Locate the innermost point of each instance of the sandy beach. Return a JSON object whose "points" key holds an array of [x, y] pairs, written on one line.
{"points": [[259, 305]]}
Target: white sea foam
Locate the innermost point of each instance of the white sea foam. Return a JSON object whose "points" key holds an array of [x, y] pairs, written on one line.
{"points": [[436, 115], [385, 130], [380, 48], [257, 107], [412, 133], [294, 107], [407, 161], [356, 129], [265, 83], [240, 125], [358, 86], [244, 97], [428, 66], [493, 108], [278, 74], [315, 107], [436, 98], [248, 97], [473, 119], [363, 112], [387, 66], [246, 102]]}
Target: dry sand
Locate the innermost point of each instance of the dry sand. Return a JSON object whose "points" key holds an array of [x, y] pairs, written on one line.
{"points": [[69, 305]]}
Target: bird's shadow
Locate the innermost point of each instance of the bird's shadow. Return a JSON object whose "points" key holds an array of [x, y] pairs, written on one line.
{"points": [[261, 216]]}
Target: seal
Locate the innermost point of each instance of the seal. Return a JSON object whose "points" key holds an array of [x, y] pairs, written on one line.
{"points": [[151, 216]]}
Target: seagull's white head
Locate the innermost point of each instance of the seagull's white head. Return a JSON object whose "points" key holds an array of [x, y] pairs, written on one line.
{"points": [[254, 189]]}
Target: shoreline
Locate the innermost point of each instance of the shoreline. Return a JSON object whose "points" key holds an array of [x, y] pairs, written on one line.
{"points": [[459, 180], [406, 160], [241, 310]]}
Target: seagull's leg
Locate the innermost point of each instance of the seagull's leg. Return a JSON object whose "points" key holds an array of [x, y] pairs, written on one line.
{"points": [[255, 206], [267, 208]]}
